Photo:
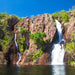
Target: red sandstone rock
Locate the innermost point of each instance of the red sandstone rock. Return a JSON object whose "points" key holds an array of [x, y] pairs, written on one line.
{"points": [[40, 23], [69, 31]]}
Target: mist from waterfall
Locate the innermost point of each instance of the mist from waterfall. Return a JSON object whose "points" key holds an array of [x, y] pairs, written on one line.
{"points": [[58, 50], [18, 53]]}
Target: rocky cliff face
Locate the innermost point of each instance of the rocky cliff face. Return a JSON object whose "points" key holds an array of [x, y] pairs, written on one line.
{"points": [[69, 30], [31, 53], [40, 23]]}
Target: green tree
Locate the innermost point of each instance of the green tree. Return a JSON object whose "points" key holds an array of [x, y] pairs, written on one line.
{"points": [[38, 38], [23, 31], [65, 17], [61, 15]]}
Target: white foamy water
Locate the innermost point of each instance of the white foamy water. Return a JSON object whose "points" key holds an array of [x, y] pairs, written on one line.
{"points": [[19, 57], [58, 50], [18, 53]]}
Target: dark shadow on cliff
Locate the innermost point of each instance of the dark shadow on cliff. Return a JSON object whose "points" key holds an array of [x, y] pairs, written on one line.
{"points": [[48, 45], [1, 33], [10, 54], [12, 21], [56, 38]]}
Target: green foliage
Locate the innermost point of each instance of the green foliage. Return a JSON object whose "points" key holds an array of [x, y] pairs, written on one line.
{"points": [[37, 55], [65, 17], [23, 31], [73, 37], [38, 38], [70, 47], [55, 15], [3, 15], [3, 24], [47, 40], [22, 44], [61, 15], [7, 40], [72, 63], [7, 22]]}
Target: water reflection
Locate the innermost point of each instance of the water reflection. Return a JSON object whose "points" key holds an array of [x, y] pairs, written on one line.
{"points": [[37, 70], [18, 69], [58, 70]]}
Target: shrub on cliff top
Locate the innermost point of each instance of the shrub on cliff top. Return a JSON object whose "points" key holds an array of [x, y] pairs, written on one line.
{"points": [[61, 15], [65, 17], [3, 15]]}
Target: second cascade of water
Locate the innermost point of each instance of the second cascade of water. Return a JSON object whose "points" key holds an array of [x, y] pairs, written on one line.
{"points": [[58, 50], [18, 53]]}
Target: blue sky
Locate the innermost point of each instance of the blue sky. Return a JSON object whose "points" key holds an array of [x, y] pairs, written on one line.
{"points": [[23, 8]]}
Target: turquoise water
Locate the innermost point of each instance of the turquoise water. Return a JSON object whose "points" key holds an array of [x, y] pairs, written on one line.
{"points": [[37, 70]]}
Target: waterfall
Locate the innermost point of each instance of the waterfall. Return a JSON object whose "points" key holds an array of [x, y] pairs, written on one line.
{"points": [[58, 50], [18, 53]]}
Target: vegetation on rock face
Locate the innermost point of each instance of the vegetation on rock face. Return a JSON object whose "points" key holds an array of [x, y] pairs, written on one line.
{"points": [[38, 38], [37, 55], [61, 15], [23, 31], [5, 42], [3, 15], [7, 23], [72, 63], [70, 47], [22, 44], [21, 41]]}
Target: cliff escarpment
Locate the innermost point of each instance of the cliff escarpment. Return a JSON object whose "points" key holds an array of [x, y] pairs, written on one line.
{"points": [[35, 50], [35, 37]]}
